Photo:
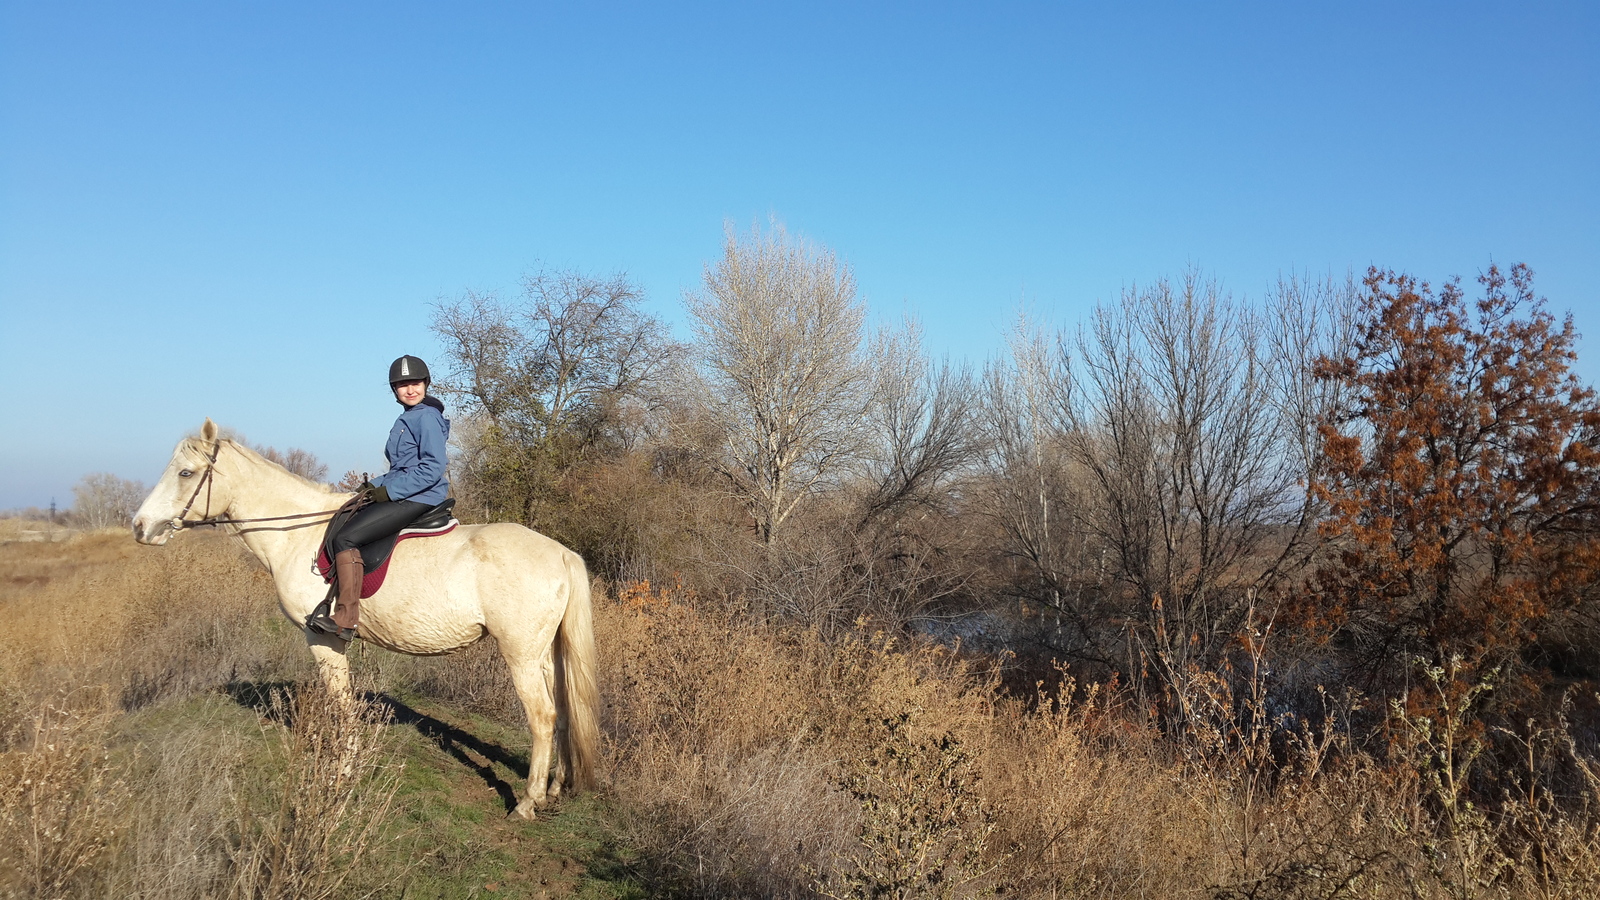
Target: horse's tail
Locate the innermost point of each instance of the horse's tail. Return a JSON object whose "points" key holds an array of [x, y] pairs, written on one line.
{"points": [[576, 661]]}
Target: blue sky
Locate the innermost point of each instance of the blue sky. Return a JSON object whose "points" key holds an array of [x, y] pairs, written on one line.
{"points": [[246, 210]]}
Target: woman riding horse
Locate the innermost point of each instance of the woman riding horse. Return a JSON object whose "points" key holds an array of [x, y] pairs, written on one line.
{"points": [[416, 481]]}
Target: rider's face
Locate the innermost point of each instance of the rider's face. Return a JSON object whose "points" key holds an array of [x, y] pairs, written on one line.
{"points": [[410, 392]]}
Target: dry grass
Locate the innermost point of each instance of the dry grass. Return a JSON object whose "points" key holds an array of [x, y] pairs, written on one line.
{"points": [[181, 808], [303, 836], [770, 762], [32, 530], [152, 623], [61, 801], [181, 826], [742, 761]]}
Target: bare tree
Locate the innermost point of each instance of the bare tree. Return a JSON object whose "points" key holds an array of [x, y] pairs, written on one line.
{"points": [[1191, 414], [102, 500], [300, 462], [1306, 321], [1172, 415], [562, 374], [1034, 496], [560, 361], [921, 427], [779, 334], [1162, 453], [896, 540]]}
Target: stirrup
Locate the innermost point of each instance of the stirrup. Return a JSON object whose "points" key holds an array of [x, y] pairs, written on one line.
{"points": [[322, 623], [319, 621]]}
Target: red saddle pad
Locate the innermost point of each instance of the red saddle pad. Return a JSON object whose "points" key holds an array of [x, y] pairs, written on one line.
{"points": [[371, 581]]}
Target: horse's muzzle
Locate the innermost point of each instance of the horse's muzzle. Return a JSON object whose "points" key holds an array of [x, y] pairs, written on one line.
{"points": [[156, 534]]}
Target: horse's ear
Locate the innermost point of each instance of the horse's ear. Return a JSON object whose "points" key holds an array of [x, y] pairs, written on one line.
{"points": [[208, 431]]}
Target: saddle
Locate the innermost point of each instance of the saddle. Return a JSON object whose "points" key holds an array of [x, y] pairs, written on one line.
{"points": [[375, 556]]}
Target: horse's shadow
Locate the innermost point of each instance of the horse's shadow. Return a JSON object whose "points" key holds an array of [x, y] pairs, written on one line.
{"points": [[456, 742], [269, 699]]}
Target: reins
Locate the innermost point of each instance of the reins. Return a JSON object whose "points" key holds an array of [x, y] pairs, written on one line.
{"points": [[179, 522]]}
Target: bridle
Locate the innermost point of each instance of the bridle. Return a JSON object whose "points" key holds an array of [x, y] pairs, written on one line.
{"points": [[179, 522]]}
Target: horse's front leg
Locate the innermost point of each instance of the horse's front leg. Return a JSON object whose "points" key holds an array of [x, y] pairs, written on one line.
{"points": [[333, 665]]}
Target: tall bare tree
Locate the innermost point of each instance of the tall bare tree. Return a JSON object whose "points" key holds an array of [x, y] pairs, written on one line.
{"points": [[898, 539], [779, 332], [1307, 320], [1171, 414], [1033, 494]]}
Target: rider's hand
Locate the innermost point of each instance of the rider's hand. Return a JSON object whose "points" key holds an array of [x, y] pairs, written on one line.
{"points": [[377, 493]]}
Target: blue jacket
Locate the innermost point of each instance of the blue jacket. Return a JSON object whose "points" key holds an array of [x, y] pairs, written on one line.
{"points": [[416, 453]]}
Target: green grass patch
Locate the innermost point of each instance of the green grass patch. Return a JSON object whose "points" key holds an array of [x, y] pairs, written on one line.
{"points": [[449, 835], [462, 774]]}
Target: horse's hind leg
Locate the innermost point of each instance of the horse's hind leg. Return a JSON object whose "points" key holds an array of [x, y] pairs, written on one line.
{"points": [[553, 676], [532, 674]]}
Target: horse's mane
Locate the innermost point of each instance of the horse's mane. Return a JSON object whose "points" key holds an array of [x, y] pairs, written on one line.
{"points": [[198, 445]]}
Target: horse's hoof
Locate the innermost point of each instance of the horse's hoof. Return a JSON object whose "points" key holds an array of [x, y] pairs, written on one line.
{"points": [[527, 809]]}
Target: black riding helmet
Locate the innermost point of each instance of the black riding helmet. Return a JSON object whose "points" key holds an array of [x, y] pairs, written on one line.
{"points": [[408, 368]]}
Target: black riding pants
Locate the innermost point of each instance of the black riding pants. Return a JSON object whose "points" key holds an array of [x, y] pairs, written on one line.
{"points": [[377, 521]]}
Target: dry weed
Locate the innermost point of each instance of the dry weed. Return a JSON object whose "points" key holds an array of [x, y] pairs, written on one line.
{"points": [[712, 744], [746, 760], [924, 828], [755, 760], [182, 816], [202, 615], [153, 623], [61, 801], [1092, 809], [101, 627], [305, 838], [727, 739]]}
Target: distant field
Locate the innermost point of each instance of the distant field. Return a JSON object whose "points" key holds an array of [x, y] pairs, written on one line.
{"points": [[30, 530]]}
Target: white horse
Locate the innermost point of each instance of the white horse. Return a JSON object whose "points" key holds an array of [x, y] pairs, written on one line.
{"points": [[441, 593]]}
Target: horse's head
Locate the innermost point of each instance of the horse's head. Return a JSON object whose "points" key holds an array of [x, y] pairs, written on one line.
{"points": [[188, 489]]}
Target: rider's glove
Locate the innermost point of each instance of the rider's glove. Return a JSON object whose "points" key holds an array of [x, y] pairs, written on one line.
{"points": [[377, 493]]}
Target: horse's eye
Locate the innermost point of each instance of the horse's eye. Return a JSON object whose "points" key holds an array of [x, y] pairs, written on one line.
{"points": [[185, 473]]}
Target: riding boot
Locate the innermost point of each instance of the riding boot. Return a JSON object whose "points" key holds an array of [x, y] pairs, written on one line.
{"points": [[349, 571]]}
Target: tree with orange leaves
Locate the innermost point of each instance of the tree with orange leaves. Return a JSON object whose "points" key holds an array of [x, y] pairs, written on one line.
{"points": [[1461, 479]]}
